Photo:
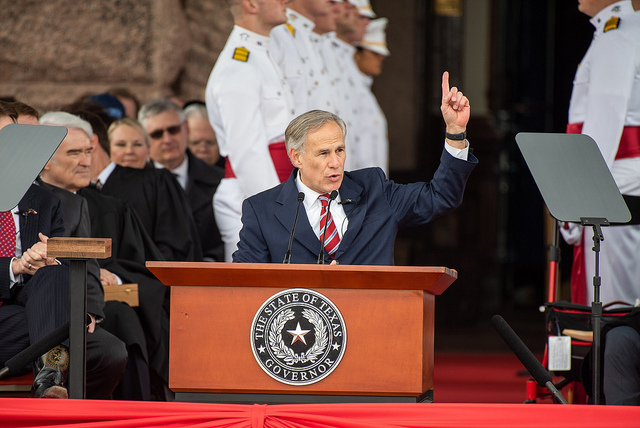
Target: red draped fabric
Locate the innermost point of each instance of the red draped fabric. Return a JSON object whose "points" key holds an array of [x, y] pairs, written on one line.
{"points": [[25, 412]]}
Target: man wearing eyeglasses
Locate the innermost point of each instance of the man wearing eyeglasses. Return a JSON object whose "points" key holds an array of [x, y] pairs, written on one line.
{"points": [[168, 130]]}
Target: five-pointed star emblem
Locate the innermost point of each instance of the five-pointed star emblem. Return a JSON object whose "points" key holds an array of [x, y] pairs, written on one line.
{"points": [[298, 334], [261, 349]]}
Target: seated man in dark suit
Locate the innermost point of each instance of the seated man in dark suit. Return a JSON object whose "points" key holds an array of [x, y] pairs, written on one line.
{"points": [[620, 362], [361, 226], [64, 175], [34, 297], [131, 248]]}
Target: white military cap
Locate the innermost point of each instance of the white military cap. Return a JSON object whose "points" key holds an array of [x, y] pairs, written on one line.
{"points": [[364, 8], [375, 38]]}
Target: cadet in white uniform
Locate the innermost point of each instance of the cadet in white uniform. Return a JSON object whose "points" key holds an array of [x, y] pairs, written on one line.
{"points": [[605, 104], [338, 52], [325, 27], [297, 56], [250, 106], [372, 51]]}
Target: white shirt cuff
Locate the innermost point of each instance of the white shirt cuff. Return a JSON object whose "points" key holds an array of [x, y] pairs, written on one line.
{"points": [[458, 153]]}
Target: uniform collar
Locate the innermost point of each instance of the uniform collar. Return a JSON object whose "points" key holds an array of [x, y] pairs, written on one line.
{"points": [[316, 38], [249, 39], [616, 9], [348, 48], [299, 22], [331, 35]]}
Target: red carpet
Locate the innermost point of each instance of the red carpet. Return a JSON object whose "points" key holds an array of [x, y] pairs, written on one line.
{"points": [[479, 378]]}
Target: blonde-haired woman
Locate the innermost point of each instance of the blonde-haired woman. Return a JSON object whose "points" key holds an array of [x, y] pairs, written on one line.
{"points": [[155, 194], [128, 143]]}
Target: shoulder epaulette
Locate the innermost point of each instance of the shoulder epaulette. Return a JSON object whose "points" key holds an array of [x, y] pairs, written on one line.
{"points": [[612, 23], [241, 54], [291, 29]]}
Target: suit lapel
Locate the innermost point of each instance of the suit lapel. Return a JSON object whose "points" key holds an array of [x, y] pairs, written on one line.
{"points": [[28, 223], [288, 199], [355, 212]]}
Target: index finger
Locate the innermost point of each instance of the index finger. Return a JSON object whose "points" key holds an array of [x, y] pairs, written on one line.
{"points": [[445, 83]]}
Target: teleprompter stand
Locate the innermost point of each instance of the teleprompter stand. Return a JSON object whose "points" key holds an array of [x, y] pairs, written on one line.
{"points": [[577, 186]]}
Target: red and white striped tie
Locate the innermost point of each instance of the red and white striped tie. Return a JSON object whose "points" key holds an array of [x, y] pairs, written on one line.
{"points": [[333, 239]]}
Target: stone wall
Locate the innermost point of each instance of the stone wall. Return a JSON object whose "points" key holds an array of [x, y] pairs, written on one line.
{"points": [[55, 51]]}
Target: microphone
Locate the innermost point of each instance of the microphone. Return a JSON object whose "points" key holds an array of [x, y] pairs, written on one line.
{"points": [[287, 255], [346, 202], [332, 197], [528, 360], [15, 364], [28, 211]]}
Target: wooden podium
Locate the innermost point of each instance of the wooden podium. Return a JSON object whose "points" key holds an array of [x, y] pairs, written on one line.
{"points": [[388, 312]]}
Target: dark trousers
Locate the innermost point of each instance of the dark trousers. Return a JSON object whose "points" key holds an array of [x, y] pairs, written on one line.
{"points": [[621, 380], [42, 305]]}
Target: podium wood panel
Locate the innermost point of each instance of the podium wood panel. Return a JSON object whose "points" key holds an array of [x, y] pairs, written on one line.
{"points": [[388, 314], [384, 355]]}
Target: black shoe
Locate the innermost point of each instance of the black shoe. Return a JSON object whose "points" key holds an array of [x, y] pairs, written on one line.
{"points": [[48, 384], [51, 371]]}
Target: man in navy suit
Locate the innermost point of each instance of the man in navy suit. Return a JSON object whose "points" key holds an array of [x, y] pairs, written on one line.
{"points": [[367, 211]]}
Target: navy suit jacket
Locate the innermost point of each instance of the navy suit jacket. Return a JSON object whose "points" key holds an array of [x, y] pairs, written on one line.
{"points": [[77, 224], [45, 217], [380, 208]]}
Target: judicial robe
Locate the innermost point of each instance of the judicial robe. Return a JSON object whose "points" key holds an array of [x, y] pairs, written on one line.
{"points": [[131, 247], [202, 182], [163, 209]]}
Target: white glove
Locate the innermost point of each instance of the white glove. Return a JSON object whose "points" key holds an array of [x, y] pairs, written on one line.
{"points": [[571, 232]]}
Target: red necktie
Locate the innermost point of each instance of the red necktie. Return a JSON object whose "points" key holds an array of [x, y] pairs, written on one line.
{"points": [[7, 234], [333, 239]]}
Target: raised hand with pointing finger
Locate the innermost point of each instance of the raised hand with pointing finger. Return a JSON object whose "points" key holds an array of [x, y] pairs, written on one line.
{"points": [[455, 110]]}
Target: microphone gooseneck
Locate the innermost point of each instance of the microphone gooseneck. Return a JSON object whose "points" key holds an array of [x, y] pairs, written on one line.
{"points": [[528, 360], [287, 255], [332, 197]]}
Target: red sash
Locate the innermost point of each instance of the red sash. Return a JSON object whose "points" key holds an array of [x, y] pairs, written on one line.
{"points": [[629, 148], [280, 159], [629, 140]]}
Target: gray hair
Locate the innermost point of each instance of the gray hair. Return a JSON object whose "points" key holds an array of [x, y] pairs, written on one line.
{"points": [[68, 120], [196, 110], [157, 106], [295, 136]]}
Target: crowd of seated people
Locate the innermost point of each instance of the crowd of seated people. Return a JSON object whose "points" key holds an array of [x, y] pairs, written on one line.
{"points": [[90, 202]]}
